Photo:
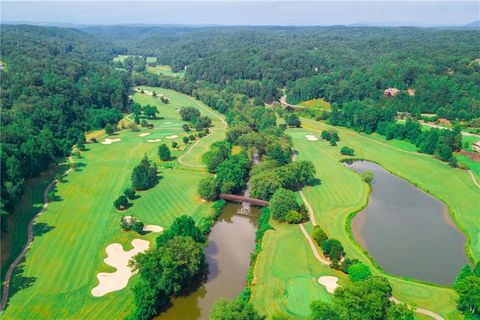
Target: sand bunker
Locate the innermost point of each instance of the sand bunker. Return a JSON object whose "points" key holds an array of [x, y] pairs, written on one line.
{"points": [[311, 137], [152, 228], [172, 136], [154, 140], [144, 134], [118, 258], [110, 141], [330, 283]]}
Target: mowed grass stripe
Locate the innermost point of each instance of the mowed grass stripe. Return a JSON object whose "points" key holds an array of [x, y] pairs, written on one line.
{"points": [[62, 263]]}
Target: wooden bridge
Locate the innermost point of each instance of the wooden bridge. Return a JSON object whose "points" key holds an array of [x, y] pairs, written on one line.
{"points": [[235, 198]]}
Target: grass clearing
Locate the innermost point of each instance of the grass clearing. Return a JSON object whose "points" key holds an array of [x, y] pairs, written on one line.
{"points": [[165, 70], [316, 103], [59, 271], [343, 192]]}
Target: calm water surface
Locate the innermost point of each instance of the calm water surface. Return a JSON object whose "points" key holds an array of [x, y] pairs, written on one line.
{"points": [[230, 243], [407, 231]]}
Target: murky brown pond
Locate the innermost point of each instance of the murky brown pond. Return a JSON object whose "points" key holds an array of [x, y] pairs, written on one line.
{"points": [[230, 243], [407, 231]]}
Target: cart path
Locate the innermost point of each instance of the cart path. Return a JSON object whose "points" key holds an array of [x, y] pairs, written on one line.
{"points": [[322, 260], [8, 276]]}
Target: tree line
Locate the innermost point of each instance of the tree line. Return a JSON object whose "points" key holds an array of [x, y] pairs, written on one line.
{"points": [[58, 85]]}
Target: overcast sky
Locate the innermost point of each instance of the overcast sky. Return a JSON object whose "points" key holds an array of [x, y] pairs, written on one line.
{"points": [[242, 12]]}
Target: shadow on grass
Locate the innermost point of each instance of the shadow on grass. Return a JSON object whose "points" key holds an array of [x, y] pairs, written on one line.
{"points": [[18, 281], [79, 166], [39, 229]]}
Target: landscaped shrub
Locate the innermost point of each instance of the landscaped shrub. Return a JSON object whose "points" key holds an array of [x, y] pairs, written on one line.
{"points": [[138, 226], [121, 203], [129, 193], [346, 151], [367, 176], [293, 216], [126, 223], [319, 235], [358, 272]]}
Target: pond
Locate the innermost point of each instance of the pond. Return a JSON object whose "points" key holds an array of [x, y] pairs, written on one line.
{"points": [[407, 231], [230, 243]]}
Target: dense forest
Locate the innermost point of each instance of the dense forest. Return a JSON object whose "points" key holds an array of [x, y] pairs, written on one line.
{"points": [[336, 63], [56, 84]]}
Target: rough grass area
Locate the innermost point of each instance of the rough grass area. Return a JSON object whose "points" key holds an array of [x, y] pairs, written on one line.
{"points": [[286, 274], [165, 70], [342, 192], [316, 103], [55, 280]]}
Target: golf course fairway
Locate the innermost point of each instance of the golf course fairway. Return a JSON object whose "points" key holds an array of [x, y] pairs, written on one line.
{"points": [[59, 271]]}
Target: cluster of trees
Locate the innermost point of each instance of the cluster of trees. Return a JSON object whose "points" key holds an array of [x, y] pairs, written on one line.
{"points": [[441, 143], [467, 285], [330, 136], [364, 299], [285, 208], [193, 116], [144, 175], [365, 117], [237, 309], [267, 177], [147, 111], [58, 85], [131, 223], [177, 262], [333, 249]]}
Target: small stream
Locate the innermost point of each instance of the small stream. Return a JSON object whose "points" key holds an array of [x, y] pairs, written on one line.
{"points": [[407, 231], [230, 243]]}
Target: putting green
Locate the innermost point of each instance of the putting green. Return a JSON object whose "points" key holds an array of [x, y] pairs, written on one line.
{"points": [[286, 274], [55, 278]]}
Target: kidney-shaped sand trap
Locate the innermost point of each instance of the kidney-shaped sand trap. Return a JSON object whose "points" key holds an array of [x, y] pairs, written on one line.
{"points": [[311, 137], [110, 141], [118, 258], [172, 136], [152, 228], [144, 134], [330, 283]]}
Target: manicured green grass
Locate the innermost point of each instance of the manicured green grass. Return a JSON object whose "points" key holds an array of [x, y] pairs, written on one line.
{"points": [[179, 100], [468, 141], [286, 274], [55, 280], [14, 235], [165, 70], [316, 103], [343, 192], [151, 60]]}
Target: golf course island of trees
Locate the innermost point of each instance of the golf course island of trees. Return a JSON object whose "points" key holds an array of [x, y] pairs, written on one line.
{"points": [[124, 149]]}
